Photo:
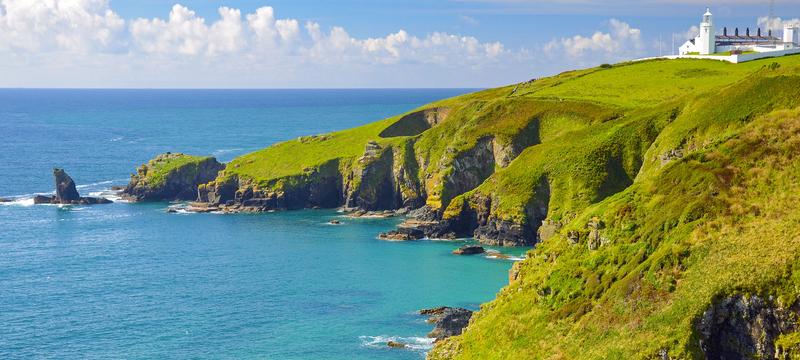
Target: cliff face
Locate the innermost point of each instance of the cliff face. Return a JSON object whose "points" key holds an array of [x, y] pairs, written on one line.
{"points": [[696, 258], [171, 177], [659, 196], [498, 164]]}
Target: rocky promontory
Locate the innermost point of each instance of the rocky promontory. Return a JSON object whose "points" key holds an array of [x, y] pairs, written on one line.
{"points": [[171, 177], [67, 193], [448, 321]]}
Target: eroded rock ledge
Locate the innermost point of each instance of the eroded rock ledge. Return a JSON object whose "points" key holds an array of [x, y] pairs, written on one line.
{"points": [[171, 177]]}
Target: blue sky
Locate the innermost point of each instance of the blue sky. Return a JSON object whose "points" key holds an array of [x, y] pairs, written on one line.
{"points": [[350, 43]]}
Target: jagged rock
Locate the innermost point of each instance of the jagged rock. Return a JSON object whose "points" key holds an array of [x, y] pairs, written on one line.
{"points": [[395, 344], [573, 237], [595, 240], [67, 193], [671, 155], [372, 149], [172, 177], [548, 229], [449, 321], [469, 250], [745, 327], [402, 234]]}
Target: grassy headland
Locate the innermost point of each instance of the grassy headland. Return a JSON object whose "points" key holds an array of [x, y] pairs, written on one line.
{"points": [[654, 191]]}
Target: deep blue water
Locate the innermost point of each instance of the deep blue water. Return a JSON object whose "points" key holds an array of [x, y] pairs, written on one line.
{"points": [[131, 281]]}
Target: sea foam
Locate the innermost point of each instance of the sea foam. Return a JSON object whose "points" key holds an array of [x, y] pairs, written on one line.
{"points": [[412, 343]]}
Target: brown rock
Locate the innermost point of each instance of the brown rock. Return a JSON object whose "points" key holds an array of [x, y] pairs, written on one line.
{"points": [[395, 345]]}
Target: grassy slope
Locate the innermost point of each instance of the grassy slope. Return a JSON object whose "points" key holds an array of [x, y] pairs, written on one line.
{"points": [[678, 233], [716, 222], [569, 102], [158, 168]]}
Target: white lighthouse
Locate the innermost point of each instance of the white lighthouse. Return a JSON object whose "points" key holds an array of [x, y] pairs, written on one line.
{"points": [[707, 39]]}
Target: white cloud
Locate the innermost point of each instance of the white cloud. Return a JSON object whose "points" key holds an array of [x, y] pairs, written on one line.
{"points": [[776, 24], [183, 41], [621, 42], [66, 25]]}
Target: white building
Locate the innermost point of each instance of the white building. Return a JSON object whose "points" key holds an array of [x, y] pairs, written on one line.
{"points": [[706, 44], [739, 47]]}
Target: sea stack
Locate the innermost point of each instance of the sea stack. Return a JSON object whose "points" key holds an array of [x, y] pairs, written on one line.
{"points": [[67, 193]]}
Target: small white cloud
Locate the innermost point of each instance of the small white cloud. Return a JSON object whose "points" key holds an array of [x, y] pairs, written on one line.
{"points": [[469, 20], [620, 42], [776, 24]]}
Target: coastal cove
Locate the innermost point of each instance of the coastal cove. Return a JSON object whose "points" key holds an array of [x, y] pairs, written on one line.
{"points": [[132, 279]]}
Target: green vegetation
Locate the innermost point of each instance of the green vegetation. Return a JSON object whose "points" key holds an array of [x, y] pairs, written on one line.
{"points": [[156, 171], [716, 222], [667, 185]]}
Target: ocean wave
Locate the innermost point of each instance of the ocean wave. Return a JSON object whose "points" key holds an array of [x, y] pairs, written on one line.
{"points": [[95, 184], [412, 343], [26, 201], [117, 139], [496, 255], [219, 152]]}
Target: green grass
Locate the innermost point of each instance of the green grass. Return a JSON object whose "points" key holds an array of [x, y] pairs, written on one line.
{"points": [[678, 230], [159, 168], [712, 224]]}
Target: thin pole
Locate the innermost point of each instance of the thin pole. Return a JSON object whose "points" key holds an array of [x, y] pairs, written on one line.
{"points": [[673, 43]]}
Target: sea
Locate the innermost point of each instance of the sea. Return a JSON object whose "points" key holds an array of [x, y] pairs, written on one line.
{"points": [[132, 281]]}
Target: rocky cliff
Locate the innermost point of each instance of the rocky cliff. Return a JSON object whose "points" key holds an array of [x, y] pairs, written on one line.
{"points": [[659, 195], [171, 177]]}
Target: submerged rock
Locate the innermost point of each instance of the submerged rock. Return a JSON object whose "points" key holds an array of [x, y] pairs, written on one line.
{"points": [[67, 193], [449, 321], [335, 222], [395, 344], [4, 200], [469, 250]]}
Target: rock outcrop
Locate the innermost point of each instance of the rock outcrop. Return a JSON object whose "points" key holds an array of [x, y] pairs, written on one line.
{"points": [[67, 193], [745, 327], [402, 234], [469, 250], [448, 321], [172, 177]]}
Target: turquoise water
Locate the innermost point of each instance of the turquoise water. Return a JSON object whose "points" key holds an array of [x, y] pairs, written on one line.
{"points": [[131, 281]]}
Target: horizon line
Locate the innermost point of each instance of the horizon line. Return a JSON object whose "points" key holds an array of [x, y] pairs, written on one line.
{"points": [[245, 88]]}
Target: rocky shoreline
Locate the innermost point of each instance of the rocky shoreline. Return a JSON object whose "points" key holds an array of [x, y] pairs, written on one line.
{"points": [[380, 185], [447, 322]]}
